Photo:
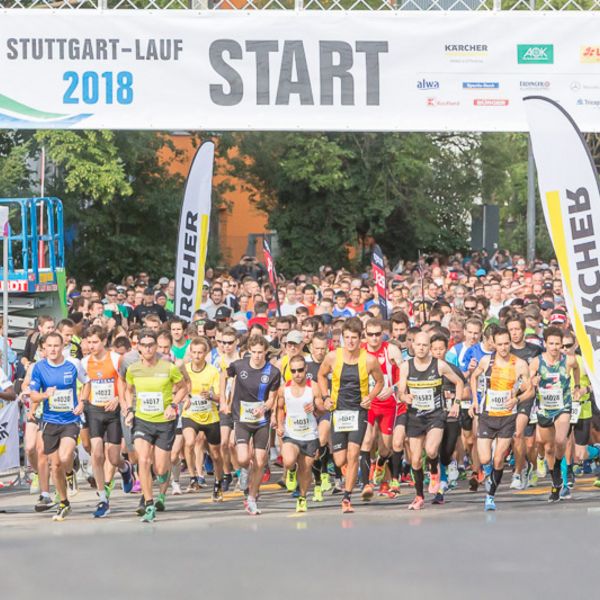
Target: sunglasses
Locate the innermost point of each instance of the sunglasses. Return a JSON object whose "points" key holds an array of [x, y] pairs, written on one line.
{"points": [[567, 346], [373, 333], [146, 345], [228, 342], [297, 370]]}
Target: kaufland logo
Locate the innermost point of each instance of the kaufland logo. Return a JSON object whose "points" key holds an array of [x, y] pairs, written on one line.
{"points": [[480, 85], [535, 54], [426, 84]]}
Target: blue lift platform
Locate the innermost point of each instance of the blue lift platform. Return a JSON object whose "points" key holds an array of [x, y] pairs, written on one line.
{"points": [[36, 264]]}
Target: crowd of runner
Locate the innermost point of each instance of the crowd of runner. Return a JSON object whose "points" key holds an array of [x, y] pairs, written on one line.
{"points": [[470, 369]]}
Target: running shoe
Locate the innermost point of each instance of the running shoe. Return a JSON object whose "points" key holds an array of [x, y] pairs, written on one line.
{"points": [[378, 474], [61, 512], [279, 461], [227, 480], [434, 484], [325, 482], [141, 509], [217, 495], [127, 478], [579, 470], [490, 503], [137, 487], [337, 488], [317, 494], [597, 483], [570, 479], [92, 482], [444, 486], [251, 507], [347, 506], [72, 487], [395, 487], [516, 483], [439, 499], [296, 493], [34, 486], [176, 488], [290, 480], [384, 489], [301, 505], [367, 492], [541, 468], [473, 483], [193, 486], [554, 494], [266, 476], [160, 503], [102, 510], [44, 503], [417, 504], [149, 514], [565, 493], [407, 478], [532, 479], [202, 480]]}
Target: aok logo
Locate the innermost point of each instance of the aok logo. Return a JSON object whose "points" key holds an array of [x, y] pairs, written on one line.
{"points": [[535, 54], [424, 84]]}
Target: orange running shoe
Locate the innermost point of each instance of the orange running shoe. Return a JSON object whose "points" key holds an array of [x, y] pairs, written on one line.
{"points": [[347, 506], [367, 492], [417, 504]]}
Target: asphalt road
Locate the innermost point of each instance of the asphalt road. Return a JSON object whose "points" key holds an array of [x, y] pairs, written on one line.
{"points": [[527, 549]]}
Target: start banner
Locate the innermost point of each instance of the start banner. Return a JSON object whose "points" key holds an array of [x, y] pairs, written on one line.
{"points": [[295, 70]]}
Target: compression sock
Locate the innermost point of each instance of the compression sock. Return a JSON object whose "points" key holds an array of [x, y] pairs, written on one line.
{"points": [[556, 474], [338, 472], [443, 473], [418, 477], [365, 466], [433, 465], [382, 461], [396, 464], [593, 452], [496, 478], [316, 470], [564, 471]]}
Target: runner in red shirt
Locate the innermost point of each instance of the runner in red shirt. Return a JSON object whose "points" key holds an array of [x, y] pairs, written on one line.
{"points": [[383, 408]]}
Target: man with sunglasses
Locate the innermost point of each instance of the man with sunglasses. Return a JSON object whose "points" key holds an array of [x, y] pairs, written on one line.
{"points": [[229, 354], [297, 402], [159, 389], [383, 407]]}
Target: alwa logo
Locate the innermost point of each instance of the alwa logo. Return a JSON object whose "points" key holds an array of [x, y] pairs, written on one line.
{"points": [[535, 54], [424, 84]]}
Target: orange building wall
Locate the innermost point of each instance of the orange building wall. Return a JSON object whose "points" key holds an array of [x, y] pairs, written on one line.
{"points": [[235, 222]]}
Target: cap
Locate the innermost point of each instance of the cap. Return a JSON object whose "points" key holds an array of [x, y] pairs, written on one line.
{"points": [[294, 337], [239, 326], [548, 285], [558, 318], [547, 305], [223, 312], [326, 318], [480, 272], [163, 281], [149, 292], [532, 310], [121, 289]]}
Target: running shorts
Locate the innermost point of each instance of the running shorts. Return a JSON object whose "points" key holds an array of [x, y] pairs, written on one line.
{"points": [[105, 425], [465, 419], [259, 435], [307, 447], [496, 427], [341, 439], [52, 433], [546, 421], [385, 414], [226, 419], [212, 431], [582, 429], [161, 435], [420, 425]]}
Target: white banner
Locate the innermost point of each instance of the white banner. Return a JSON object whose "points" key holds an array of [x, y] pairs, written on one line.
{"points": [[288, 70], [570, 196], [194, 223], [9, 436]]}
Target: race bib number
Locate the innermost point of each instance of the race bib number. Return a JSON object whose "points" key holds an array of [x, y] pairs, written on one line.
{"points": [[423, 399], [575, 412], [551, 399], [496, 401], [200, 405], [465, 404], [345, 420], [298, 425], [103, 392], [249, 412], [151, 403], [61, 401]]}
